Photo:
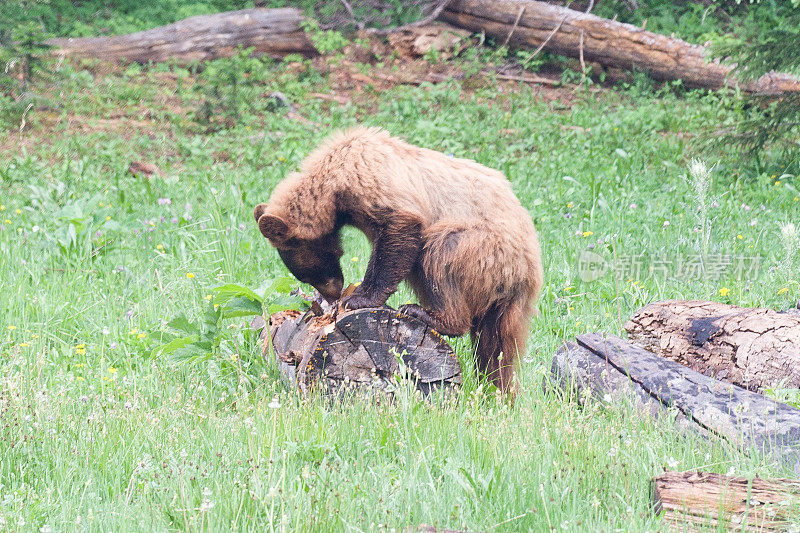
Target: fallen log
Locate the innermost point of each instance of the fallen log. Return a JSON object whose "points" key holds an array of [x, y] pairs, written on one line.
{"points": [[274, 32], [753, 348], [365, 349], [745, 419], [576, 34], [698, 500]]}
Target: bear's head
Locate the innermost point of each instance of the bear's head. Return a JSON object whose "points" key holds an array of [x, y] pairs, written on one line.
{"points": [[315, 262]]}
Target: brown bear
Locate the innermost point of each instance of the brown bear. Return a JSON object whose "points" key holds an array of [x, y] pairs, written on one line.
{"points": [[450, 227]]}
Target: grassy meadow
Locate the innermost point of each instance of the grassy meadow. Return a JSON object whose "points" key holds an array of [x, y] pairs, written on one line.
{"points": [[101, 431]]}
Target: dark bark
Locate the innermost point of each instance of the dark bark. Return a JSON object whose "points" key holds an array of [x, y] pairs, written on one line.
{"points": [[744, 418]]}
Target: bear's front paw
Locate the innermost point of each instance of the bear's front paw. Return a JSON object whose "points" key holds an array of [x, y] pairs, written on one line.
{"points": [[358, 300], [413, 310]]}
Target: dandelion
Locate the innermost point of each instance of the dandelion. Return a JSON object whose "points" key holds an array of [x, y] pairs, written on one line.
{"points": [[159, 247], [354, 259], [739, 237], [7, 221], [724, 291], [25, 344], [11, 328], [112, 370], [141, 335], [588, 233], [189, 275], [18, 211]]}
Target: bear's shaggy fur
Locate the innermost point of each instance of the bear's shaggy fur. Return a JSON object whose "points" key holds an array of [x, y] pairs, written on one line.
{"points": [[451, 227]]}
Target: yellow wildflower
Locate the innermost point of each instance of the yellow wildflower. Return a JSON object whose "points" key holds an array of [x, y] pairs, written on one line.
{"points": [[2, 208], [134, 331], [724, 291], [18, 211], [739, 237], [354, 259], [588, 233], [23, 345], [783, 290], [11, 328], [112, 370], [189, 275], [159, 247], [141, 335], [7, 221], [108, 217], [208, 297]]}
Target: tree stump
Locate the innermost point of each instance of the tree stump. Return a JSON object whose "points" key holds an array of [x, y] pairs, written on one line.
{"points": [[365, 349], [702, 499], [599, 366], [750, 347]]}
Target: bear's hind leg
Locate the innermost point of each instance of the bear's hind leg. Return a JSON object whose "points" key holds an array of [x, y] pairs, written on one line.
{"points": [[445, 325]]}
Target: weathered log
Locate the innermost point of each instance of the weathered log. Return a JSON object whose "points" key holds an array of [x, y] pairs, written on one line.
{"points": [[610, 43], [746, 419], [753, 348], [274, 32], [579, 370], [362, 349], [702, 499]]}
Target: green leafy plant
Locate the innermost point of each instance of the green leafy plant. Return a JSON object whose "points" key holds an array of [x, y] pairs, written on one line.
{"points": [[227, 87], [325, 41], [202, 341]]}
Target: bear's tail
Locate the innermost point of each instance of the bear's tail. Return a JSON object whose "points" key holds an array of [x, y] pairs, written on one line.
{"points": [[500, 335]]}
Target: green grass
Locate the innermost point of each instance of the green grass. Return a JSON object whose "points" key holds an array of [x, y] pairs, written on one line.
{"points": [[97, 434]]}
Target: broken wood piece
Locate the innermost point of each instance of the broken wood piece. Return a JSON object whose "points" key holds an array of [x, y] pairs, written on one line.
{"points": [[704, 499], [273, 32], [438, 37], [363, 349], [753, 348], [745, 419], [610, 43]]}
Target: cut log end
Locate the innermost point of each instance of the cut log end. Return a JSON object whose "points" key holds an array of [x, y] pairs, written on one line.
{"points": [[365, 349]]}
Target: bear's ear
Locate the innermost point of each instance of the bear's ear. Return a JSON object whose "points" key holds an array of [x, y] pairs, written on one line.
{"points": [[259, 210], [274, 228]]}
